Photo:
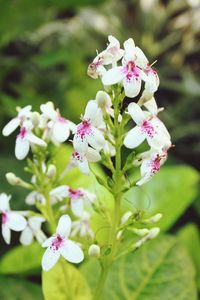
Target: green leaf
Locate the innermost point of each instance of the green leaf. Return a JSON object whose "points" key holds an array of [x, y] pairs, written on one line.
{"points": [[65, 282], [18, 289], [161, 269], [22, 259], [170, 192], [189, 236]]}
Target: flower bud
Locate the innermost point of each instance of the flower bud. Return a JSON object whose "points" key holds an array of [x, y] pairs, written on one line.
{"points": [[153, 219], [51, 171], [102, 99], [153, 232], [13, 179], [94, 251], [35, 118], [141, 232], [125, 217]]}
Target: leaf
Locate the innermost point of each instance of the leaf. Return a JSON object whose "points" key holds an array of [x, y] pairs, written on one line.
{"points": [[161, 269], [18, 289], [170, 192], [65, 282], [189, 237], [21, 259]]}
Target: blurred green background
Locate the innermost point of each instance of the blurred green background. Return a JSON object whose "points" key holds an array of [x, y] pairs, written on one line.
{"points": [[45, 48]]}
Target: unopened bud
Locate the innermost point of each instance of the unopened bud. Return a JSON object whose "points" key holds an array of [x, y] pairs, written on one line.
{"points": [[153, 232], [102, 99], [153, 219], [141, 232], [125, 217], [51, 171], [13, 179], [94, 251], [35, 118], [119, 235]]}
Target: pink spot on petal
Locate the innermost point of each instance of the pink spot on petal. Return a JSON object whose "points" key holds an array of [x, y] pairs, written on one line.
{"points": [[75, 194], [155, 164], [57, 243], [62, 120], [147, 128], [84, 129], [4, 218], [22, 133], [131, 71]]}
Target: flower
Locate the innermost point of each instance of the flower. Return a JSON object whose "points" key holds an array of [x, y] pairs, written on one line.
{"points": [[10, 220], [33, 228], [33, 197], [25, 139], [148, 127], [59, 244], [23, 114], [151, 162], [89, 131], [111, 55], [60, 127], [82, 226], [130, 73], [81, 160], [78, 197]]}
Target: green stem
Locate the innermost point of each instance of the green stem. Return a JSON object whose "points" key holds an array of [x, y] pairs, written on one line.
{"points": [[117, 194]]}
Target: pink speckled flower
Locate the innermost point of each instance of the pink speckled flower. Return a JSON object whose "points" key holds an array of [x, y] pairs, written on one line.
{"points": [[90, 130], [150, 161], [10, 220], [148, 127], [59, 127], [59, 244]]}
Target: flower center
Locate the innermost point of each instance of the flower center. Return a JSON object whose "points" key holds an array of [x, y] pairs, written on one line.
{"points": [[147, 128], [131, 70], [4, 218], [22, 133], [57, 243], [84, 129], [75, 194]]}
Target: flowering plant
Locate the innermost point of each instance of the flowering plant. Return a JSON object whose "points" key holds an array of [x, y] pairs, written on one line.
{"points": [[129, 82]]}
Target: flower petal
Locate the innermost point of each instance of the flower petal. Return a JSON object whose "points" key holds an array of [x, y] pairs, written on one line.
{"points": [[16, 222], [60, 192], [4, 202], [77, 207], [32, 138], [36, 222], [134, 138], [136, 113], [49, 259], [61, 131], [72, 252], [48, 110], [26, 236], [64, 226], [48, 242], [93, 155], [21, 148], [6, 233], [113, 76], [151, 105], [83, 166], [80, 144], [96, 139], [132, 87], [11, 126]]}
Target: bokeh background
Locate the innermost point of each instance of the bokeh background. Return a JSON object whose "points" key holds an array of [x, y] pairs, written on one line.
{"points": [[45, 47]]}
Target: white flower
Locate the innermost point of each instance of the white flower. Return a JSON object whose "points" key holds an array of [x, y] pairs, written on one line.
{"points": [[25, 139], [78, 197], [33, 229], [89, 131], [151, 162], [111, 55], [23, 114], [82, 226], [59, 244], [104, 102], [81, 160], [130, 73], [10, 220], [33, 197], [148, 127], [60, 127]]}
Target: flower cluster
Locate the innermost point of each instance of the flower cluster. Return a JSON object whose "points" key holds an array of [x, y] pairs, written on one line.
{"points": [[99, 137]]}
